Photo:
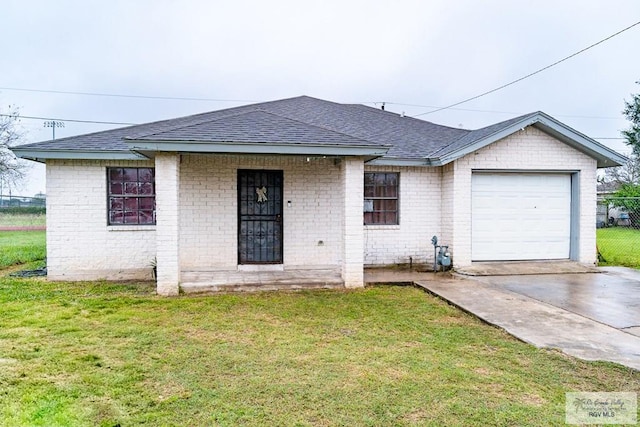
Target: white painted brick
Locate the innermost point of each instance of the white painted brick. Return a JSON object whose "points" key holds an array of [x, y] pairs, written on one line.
{"points": [[199, 229], [528, 150], [208, 210], [80, 245], [168, 225], [420, 218], [353, 242]]}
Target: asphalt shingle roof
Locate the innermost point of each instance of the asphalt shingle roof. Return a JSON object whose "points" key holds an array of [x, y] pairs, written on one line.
{"points": [[254, 127], [295, 120]]}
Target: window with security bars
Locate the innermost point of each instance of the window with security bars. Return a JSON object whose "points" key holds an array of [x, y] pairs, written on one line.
{"points": [[131, 197], [381, 198]]}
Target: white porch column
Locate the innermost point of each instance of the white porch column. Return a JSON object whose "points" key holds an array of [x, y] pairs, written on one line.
{"points": [[167, 223], [353, 229]]}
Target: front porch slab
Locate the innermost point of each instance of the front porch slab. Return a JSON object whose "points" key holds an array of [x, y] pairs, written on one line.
{"points": [[202, 282]]}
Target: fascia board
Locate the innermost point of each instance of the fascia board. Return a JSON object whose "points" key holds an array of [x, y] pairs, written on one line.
{"points": [[604, 155], [41, 155], [256, 148], [398, 162]]}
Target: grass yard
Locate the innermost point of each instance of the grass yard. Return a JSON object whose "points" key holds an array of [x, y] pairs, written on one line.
{"points": [[22, 219], [105, 354], [19, 247], [619, 246]]}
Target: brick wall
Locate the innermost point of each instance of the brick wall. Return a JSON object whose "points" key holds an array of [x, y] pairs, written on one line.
{"points": [[353, 241], [80, 245], [447, 179], [312, 225], [433, 201], [528, 150], [420, 219], [168, 234]]}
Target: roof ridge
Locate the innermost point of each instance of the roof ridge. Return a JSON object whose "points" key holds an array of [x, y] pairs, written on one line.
{"points": [[399, 115], [197, 123], [157, 122], [409, 119], [325, 128], [261, 111], [222, 113]]}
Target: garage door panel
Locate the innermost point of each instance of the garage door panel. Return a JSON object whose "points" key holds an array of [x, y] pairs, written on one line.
{"points": [[519, 216]]}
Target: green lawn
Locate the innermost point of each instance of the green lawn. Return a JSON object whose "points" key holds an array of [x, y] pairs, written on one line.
{"points": [[22, 219], [99, 353], [18, 247], [619, 246]]}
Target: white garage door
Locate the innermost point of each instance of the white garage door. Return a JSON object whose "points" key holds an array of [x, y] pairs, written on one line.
{"points": [[519, 216]]}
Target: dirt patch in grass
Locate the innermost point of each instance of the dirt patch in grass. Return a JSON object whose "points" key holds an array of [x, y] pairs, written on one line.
{"points": [[23, 228], [22, 220], [418, 416], [532, 400]]}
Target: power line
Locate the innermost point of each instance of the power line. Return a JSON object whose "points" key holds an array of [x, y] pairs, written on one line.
{"points": [[249, 100], [530, 74], [121, 95], [132, 124], [67, 120], [515, 113]]}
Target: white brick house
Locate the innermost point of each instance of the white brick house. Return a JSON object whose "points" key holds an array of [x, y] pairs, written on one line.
{"points": [[303, 190]]}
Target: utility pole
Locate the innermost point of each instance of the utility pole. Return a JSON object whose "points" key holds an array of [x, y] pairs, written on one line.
{"points": [[53, 124]]}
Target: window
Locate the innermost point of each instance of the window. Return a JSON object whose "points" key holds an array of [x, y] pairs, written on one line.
{"points": [[381, 198], [131, 196]]}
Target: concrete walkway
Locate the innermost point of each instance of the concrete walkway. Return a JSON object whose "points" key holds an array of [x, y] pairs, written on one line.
{"points": [[536, 322]]}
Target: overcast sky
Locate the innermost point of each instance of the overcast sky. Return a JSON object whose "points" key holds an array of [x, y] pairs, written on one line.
{"points": [[413, 55]]}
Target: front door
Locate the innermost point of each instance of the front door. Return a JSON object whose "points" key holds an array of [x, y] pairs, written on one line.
{"points": [[259, 217]]}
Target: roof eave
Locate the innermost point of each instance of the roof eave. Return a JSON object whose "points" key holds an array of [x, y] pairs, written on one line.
{"points": [[41, 155], [604, 156], [437, 161], [391, 161], [148, 147]]}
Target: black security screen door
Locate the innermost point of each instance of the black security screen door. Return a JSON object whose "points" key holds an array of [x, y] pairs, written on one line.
{"points": [[259, 217]]}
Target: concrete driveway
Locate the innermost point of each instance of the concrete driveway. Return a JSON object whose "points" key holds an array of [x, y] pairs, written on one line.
{"points": [[612, 297], [593, 316]]}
